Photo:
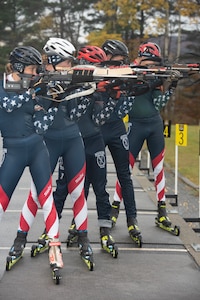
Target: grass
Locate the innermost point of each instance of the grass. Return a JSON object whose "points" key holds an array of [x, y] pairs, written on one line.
{"points": [[188, 156]]}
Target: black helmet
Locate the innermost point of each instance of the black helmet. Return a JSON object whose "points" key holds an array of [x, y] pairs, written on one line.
{"points": [[24, 56], [115, 47]]}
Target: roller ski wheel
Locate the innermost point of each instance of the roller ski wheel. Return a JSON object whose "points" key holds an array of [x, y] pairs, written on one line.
{"points": [[163, 222], [134, 231], [175, 230], [38, 249], [34, 250], [88, 262], [56, 274], [87, 257], [55, 259], [42, 246], [17, 250], [11, 261], [108, 245], [107, 242], [85, 250], [137, 239]]}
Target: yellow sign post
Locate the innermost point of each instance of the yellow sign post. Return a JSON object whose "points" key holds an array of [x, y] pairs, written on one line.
{"points": [[180, 140], [167, 128], [181, 134]]}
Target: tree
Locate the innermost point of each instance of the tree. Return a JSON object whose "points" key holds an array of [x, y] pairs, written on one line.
{"points": [[30, 22], [137, 21], [17, 18], [69, 18]]}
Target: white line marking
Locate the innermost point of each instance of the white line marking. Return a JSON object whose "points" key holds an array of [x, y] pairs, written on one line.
{"points": [[97, 249], [90, 211]]}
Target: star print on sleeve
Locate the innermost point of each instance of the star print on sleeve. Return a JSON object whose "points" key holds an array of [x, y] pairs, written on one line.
{"points": [[161, 100], [79, 109], [104, 114], [125, 107], [14, 102], [44, 119]]}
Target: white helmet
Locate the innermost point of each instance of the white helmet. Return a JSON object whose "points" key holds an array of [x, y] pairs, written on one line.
{"points": [[58, 50]]}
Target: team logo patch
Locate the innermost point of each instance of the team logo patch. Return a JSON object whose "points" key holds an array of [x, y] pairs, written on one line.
{"points": [[125, 141], [101, 159], [4, 151], [129, 128]]}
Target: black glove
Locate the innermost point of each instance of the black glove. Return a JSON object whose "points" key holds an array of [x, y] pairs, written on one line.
{"points": [[172, 80], [136, 88], [114, 93], [38, 87], [57, 90], [111, 87], [153, 84]]}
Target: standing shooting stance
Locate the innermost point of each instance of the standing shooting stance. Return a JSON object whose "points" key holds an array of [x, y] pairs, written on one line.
{"points": [[24, 147]]}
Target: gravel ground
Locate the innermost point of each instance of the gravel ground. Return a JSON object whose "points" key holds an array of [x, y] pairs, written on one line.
{"points": [[188, 197], [188, 193]]}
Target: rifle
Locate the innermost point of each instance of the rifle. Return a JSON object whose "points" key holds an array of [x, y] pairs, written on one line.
{"points": [[81, 74], [88, 76]]}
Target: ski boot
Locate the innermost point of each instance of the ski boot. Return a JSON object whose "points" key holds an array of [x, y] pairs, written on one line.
{"points": [[114, 212], [16, 251], [107, 242], [42, 245], [134, 231], [55, 259], [73, 234], [85, 249], [163, 221]]}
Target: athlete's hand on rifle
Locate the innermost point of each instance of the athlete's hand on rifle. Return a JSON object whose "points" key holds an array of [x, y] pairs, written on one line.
{"points": [[175, 75], [155, 83], [133, 87], [172, 80], [111, 87], [130, 87], [57, 91], [37, 86], [114, 92]]}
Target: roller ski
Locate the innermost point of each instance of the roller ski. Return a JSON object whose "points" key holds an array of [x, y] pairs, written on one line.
{"points": [[85, 250], [163, 221], [107, 242], [73, 234], [16, 251], [42, 246], [55, 259], [134, 232], [115, 212]]}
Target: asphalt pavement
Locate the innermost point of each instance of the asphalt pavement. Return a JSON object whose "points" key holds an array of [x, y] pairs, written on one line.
{"points": [[166, 267]]}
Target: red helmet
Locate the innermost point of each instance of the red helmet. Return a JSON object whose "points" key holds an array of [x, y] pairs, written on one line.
{"points": [[149, 50], [92, 54]]}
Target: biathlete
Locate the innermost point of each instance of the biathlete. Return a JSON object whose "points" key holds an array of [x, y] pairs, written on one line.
{"points": [[24, 147], [145, 123], [63, 140], [115, 138], [95, 157]]}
